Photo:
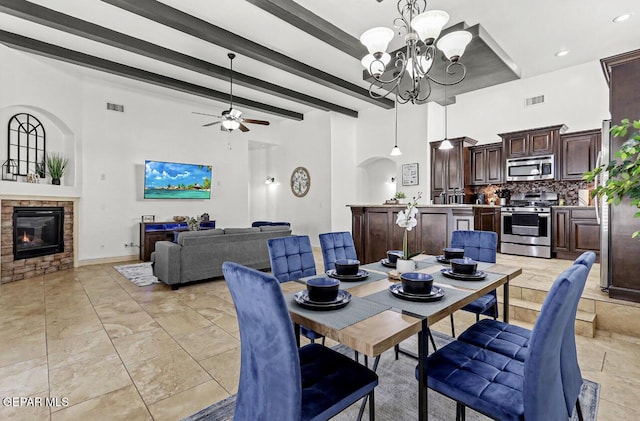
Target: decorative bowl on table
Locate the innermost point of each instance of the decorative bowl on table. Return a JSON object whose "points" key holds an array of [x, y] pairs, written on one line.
{"points": [[416, 283], [347, 267], [452, 253], [464, 266], [323, 290], [393, 256]]}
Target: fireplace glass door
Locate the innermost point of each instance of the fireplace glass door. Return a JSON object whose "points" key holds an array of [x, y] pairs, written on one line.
{"points": [[37, 231]]}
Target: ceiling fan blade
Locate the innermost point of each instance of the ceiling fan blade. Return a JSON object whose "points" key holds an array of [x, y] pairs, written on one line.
{"points": [[249, 120], [211, 124], [243, 128], [210, 115]]}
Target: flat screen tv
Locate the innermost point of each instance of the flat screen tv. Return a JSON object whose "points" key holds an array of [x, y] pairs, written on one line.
{"points": [[173, 180]]}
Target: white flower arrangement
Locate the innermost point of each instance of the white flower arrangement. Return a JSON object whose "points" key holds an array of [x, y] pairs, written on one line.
{"points": [[407, 220]]}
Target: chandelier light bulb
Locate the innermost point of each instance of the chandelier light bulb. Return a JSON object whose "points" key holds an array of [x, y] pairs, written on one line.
{"points": [[454, 44], [429, 24], [375, 66], [377, 39]]}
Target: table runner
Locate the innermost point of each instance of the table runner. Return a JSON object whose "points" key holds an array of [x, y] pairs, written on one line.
{"points": [[373, 276], [451, 295], [439, 278], [432, 261], [357, 310]]}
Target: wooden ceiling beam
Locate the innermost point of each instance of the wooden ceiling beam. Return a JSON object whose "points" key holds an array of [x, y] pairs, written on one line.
{"points": [[191, 25], [60, 21], [307, 21], [34, 46]]}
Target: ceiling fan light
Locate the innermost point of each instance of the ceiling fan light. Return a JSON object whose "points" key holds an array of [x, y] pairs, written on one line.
{"points": [[454, 44], [235, 113], [376, 39], [375, 66], [230, 124], [429, 24]]}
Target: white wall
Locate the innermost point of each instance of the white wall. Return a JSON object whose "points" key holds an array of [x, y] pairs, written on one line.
{"points": [[343, 171]]}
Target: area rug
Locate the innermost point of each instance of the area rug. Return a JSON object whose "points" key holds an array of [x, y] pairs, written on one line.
{"points": [[140, 274], [397, 394]]}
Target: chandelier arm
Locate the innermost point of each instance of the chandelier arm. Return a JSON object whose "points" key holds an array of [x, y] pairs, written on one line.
{"points": [[377, 95], [400, 61], [448, 70], [425, 96]]}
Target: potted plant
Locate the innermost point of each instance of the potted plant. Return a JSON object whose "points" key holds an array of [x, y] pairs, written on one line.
{"points": [[407, 220], [400, 197], [56, 166], [624, 174]]}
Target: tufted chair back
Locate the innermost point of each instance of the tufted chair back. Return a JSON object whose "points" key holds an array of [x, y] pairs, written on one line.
{"points": [[481, 246], [291, 257], [336, 246]]}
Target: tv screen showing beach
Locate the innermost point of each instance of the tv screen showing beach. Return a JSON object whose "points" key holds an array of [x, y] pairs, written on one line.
{"points": [[172, 180]]}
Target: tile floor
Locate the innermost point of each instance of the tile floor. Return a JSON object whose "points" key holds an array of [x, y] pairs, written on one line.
{"points": [[107, 349]]}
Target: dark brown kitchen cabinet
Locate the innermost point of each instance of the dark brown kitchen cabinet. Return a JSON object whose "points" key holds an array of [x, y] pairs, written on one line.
{"points": [[448, 166], [575, 230], [487, 218], [578, 153], [486, 164], [540, 141]]}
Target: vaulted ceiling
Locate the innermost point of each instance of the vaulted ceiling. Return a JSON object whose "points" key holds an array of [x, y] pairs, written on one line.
{"points": [[294, 56]]}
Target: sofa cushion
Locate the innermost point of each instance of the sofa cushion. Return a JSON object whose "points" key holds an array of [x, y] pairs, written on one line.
{"points": [[195, 235], [271, 228], [240, 230]]}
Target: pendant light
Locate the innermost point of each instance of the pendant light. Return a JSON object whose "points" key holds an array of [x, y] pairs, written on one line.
{"points": [[396, 150]]}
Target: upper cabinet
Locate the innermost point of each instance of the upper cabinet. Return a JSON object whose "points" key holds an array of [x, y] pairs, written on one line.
{"points": [[448, 166], [578, 153], [486, 164], [541, 141]]}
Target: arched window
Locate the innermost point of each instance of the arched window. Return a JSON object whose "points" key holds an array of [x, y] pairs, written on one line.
{"points": [[27, 143]]}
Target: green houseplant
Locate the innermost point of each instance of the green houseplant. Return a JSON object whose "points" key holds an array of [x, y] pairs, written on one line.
{"points": [[56, 166], [624, 173]]}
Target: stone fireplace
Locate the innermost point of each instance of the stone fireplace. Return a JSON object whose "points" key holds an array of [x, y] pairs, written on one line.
{"points": [[36, 238]]}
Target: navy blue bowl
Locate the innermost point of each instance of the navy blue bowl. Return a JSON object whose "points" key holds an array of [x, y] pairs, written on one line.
{"points": [[453, 253], [464, 266], [393, 256], [323, 289], [416, 282], [347, 266]]}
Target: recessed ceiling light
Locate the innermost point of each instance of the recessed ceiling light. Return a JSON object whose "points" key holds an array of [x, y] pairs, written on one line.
{"points": [[562, 53], [622, 18]]}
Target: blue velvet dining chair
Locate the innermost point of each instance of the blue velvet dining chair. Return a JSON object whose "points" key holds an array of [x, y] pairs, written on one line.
{"points": [[513, 341], [506, 388], [336, 246], [279, 381], [291, 259], [481, 246]]}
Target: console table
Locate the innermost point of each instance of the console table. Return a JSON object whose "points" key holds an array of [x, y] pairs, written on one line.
{"points": [[151, 232]]}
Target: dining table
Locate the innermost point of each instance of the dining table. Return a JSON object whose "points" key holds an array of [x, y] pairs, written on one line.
{"points": [[376, 320]]}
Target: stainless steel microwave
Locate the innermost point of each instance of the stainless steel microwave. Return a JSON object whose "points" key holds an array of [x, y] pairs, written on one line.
{"points": [[530, 168]]}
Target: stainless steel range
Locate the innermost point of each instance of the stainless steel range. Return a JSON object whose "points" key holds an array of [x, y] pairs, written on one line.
{"points": [[526, 224]]}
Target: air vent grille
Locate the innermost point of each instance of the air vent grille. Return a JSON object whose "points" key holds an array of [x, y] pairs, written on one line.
{"points": [[534, 100], [115, 107]]}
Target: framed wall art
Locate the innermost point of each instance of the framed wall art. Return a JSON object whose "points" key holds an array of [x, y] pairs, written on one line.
{"points": [[410, 174], [148, 218]]}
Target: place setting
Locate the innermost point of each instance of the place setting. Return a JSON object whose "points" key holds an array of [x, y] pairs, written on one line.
{"points": [[464, 269], [348, 270], [449, 253], [416, 286], [322, 294]]}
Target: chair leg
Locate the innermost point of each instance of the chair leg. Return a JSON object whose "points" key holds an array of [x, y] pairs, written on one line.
{"points": [[356, 356], [372, 407], [364, 400], [579, 410], [433, 342], [477, 317], [460, 412], [323, 338], [396, 349], [453, 329]]}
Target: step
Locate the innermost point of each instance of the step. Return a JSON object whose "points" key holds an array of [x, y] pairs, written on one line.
{"points": [[528, 311]]}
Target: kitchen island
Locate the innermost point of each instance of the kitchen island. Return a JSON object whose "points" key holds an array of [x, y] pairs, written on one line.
{"points": [[375, 231]]}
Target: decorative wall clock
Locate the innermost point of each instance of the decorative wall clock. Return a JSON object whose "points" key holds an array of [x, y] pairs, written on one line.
{"points": [[300, 181]]}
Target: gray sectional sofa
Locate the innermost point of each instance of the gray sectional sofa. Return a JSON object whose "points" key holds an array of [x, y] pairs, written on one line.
{"points": [[198, 255]]}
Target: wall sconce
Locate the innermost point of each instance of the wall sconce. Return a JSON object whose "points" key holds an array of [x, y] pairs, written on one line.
{"points": [[269, 180]]}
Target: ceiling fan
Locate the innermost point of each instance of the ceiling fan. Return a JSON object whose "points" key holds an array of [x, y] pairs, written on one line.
{"points": [[231, 119]]}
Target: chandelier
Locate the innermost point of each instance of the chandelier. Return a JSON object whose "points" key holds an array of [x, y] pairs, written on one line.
{"points": [[421, 29]]}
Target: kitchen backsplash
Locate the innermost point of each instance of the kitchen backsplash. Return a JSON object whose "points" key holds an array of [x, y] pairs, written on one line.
{"points": [[568, 189]]}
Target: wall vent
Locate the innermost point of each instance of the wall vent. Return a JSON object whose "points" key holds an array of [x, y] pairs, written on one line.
{"points": [[115, 107], [534, 100]]}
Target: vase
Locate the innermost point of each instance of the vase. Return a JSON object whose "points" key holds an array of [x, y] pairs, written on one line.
{"points": [[55, 181], [404, 266]]}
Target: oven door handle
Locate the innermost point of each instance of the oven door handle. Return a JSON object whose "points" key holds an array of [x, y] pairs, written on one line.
{"points": [[506, 214], [544, 215]]}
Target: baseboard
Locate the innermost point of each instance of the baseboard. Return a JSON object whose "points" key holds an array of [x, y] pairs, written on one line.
{"points": [[108, 260]]}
